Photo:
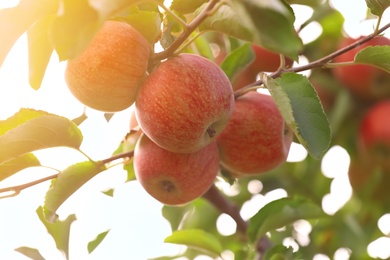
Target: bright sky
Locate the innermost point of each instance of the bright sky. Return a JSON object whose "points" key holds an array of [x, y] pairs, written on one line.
{"points": [[137, 227]]}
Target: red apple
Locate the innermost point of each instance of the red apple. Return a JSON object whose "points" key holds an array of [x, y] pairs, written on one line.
{"points": [[107, 75], [374, 133], [266, 61], [256, 139], [175, 178], [184, 103], [364, 81]]}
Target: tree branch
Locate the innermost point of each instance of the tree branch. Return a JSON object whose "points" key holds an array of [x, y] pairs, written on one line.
{"points": [[312, 65]]}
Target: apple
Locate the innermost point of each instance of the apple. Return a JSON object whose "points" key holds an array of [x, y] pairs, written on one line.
{"points": [[374, 133], [107, 75], [256, 140], [365, 82], [175, 178], [184, 103]]}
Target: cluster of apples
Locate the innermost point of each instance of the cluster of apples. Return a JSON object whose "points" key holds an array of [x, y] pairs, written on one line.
{"points": [[191, 123]]}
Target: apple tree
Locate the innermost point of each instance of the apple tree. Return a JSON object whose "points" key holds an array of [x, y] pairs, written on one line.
{"points": [[221, 91]]}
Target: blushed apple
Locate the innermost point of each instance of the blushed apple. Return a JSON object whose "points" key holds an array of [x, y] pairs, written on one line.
{"points": [[175, 178], [184, 103], [256, 140]]}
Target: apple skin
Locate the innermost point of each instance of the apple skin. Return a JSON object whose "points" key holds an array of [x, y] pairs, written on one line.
{"points": [[365, 82], [107, 75], [266, 61], [185, 103], [256, 140], [174, 178], [374, 133]]}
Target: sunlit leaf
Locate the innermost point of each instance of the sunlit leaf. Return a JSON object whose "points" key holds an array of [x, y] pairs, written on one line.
{"points": [[32, 253], [68, 182], [272, 25], [39, 50], [109, 192], [377, 7], [80, 119], [301, 108], [175, 214], [60, 231], [378, 56], [281, 212], [197, 239], [21, 17], [237, 60], [17, 164], [185, 6], [203, 47], [93, 244], [30, 130]]}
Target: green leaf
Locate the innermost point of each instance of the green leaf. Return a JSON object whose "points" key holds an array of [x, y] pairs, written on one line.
{"points": [[175, 214], [30, 130], [148, 23], [272, 25], [68, 182], [197, 239], [60, 231], [93, 244], [109, 192], [280, 213], [32, 253], [17, 164], [227, 21], [301, 108], [378, 7], [203, 47], [237, 60], [21, 17], [74, 28], [185, 6], [279, 252], [378, 56], [39, 50]]}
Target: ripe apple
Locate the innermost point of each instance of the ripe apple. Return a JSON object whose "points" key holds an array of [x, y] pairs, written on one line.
{"points": [[374, 133], [107, 75], [184, 103], [256, 139], [363, 81], [175, 178]]}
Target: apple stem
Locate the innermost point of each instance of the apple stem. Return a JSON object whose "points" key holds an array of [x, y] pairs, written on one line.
{"points": [[211, 131]]}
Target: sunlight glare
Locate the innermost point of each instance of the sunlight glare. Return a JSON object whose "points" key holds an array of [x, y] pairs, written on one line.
{"points": [[226, 225], [384, 224], [380, 248]]}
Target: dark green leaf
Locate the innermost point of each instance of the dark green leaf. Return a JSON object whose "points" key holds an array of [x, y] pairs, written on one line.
{"points": [[68, 182], [39, 50], [60, 230], [197, 239], [377, 7], [21, 18], [93, 244], [272, 25], [32, 253], [17, 164], [378, 56], [185, 6], [30, 130], [280, 213], [301, 108], [237, 60]]}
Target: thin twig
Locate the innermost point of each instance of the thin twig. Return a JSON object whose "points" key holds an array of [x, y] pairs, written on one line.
{"points": [[320, 63]]}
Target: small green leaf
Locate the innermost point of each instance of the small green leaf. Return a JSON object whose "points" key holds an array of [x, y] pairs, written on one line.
{"points": [[281, 212], [175, 214], [17, 164], [109, 192], [279, 252], [378, 56], [32, 253], [197, 239], [203, 47], [237, 60], [21, 17], [60, 231], [378, 7], [301, 108], [39, 50], [185, 6], [68, 182], [30, 130], [93, 244], [80, 119]]}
